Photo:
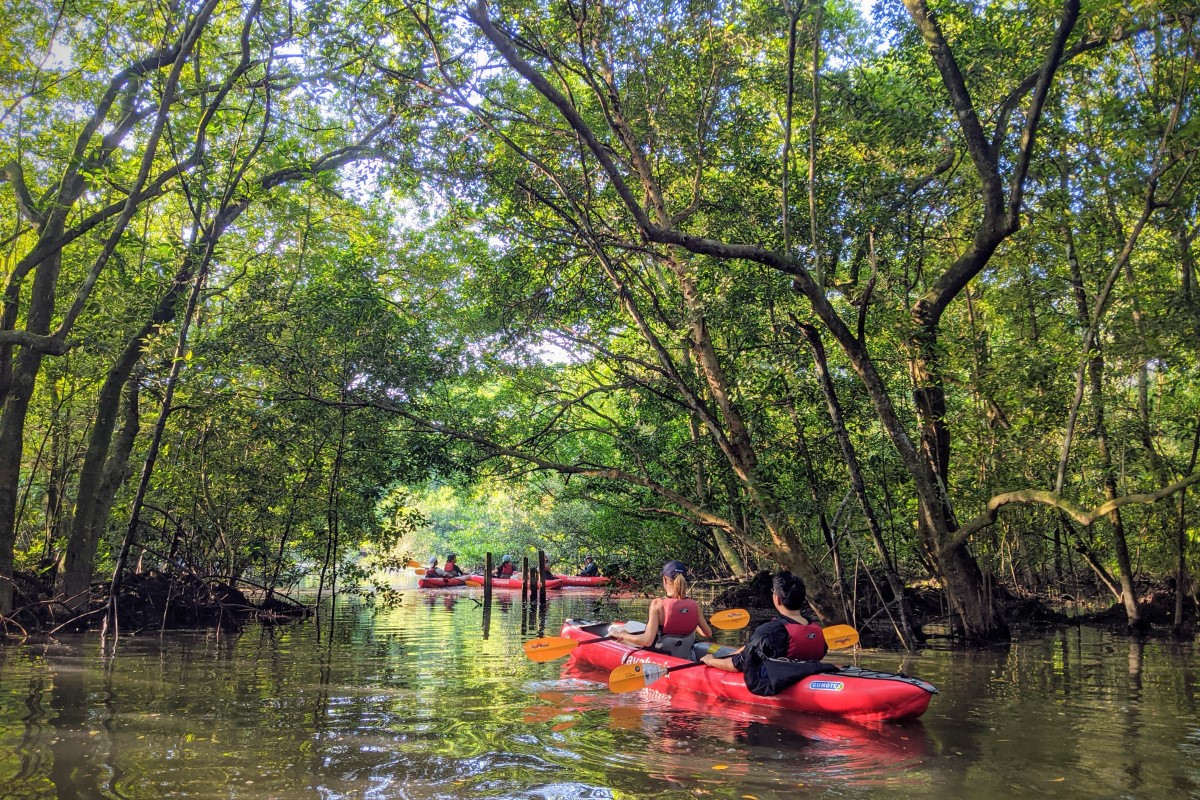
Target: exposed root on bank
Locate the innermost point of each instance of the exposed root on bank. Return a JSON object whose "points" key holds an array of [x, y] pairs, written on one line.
{"points": [[148, 601]]}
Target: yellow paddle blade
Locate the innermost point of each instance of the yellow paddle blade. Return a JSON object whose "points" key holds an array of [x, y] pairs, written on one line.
{"points": [[412, 563], [473, 580], [419, 570], [731, 619], [839, 637], [631, 677], [549, 648]]}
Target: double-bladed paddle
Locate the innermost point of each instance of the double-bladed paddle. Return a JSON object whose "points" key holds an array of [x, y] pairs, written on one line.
{"points": [[632, 677], [551, 648]]}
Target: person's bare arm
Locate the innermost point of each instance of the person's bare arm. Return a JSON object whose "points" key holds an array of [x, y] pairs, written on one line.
{"points": [[724, 664], [653, 624]]}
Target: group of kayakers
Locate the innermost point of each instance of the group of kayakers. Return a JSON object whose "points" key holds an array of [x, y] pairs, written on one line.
{"points": [[505, 569], [448, 570], [779, 653]]}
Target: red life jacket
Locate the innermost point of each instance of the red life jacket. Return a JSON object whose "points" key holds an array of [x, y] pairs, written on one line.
{"points": [[680, 617], [805, 642], [505, 570]]}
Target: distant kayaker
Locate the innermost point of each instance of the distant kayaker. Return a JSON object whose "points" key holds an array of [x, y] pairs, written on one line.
{"points": [[675, 615], [506, 568], [784, 649], [452, 569], [590, 568], [432, 570]]}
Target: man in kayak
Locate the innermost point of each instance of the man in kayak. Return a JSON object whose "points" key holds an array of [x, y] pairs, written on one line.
{"points": [[432, 570], [590, 568], [674, 620], [451, 570], [783, 650], [506, 568]]}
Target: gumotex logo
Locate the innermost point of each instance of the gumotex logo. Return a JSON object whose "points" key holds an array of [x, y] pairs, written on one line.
{"points": [[827, 686]]}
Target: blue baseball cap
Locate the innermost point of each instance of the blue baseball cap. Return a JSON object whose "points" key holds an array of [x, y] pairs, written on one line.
{"points": [[673, 568]]}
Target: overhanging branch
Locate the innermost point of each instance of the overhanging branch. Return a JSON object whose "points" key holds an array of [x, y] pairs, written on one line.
{"points": [[1076, 512]]}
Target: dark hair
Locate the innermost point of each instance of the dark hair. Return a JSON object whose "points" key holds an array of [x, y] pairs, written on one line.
{"points": [[790, 590]]}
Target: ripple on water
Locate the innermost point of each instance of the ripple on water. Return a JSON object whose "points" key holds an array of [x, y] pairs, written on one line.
{"points": [[418, 702]]}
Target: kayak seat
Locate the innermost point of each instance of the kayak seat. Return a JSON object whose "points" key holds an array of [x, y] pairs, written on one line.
{"points": [[678, 646], [702, 649]]}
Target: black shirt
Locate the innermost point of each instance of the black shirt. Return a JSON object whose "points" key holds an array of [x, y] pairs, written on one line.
{"points": [[764, 663], [769, 640]]}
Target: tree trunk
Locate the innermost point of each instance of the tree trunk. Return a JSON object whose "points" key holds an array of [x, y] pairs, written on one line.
{"points": [[836, 418], [1182, 581], [26, 366], [732, 557], [78, 564], [1128, 595], [814, 490], [91, 506]]}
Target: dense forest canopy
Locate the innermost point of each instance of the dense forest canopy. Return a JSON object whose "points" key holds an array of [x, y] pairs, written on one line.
{"points": [[876, 294]]}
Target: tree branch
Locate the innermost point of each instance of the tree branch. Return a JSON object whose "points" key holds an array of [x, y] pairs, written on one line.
{"points": [[1081, 515], [51, 345], [960, 98]]}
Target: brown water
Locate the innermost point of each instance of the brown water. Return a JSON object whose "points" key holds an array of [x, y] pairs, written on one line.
{"points": [[415, 702]]}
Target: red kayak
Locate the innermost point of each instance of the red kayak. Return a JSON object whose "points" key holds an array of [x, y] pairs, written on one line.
{"points": [[853, 744], [440, 583], [850, 692], [514, 583], [582, 580]]}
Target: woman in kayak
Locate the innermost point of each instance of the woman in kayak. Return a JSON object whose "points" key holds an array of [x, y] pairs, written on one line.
{"points": [[506, 568], [452, 569], [675, 615], [784, 649], [590, 568]]}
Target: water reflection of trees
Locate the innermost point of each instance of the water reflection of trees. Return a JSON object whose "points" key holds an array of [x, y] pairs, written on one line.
{"points": [[414, 694]]}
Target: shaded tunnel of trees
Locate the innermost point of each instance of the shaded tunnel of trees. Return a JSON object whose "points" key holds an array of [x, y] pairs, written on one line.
{"points": [[899, 298]]}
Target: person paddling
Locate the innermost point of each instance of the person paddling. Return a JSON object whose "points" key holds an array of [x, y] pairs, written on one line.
{"points": [[590, 568], [432, 570], [783, 650], [506, 568], [673, 620]]}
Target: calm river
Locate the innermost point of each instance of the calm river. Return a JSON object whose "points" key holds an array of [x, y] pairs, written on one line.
{"points": [[417, 702]]}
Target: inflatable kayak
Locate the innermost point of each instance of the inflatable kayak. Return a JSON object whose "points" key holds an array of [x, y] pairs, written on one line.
{"points": [[514, 583], [850, 692], [581, 580], [440, 583], [853, 744]]}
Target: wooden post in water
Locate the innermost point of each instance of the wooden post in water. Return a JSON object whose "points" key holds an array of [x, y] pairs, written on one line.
{"points": [[542, 576], [533, 581], [487, 577], [487, 594], [525, 590]]}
